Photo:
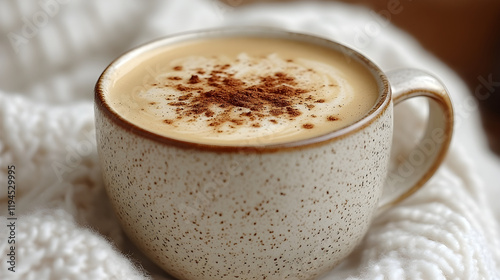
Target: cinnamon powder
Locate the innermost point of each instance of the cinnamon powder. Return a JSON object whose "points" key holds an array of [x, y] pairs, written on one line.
{"points": [[273, 96]]}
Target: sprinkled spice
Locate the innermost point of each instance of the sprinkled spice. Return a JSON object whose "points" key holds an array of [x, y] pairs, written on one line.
{"points": [[194, 79], [273, 95]]}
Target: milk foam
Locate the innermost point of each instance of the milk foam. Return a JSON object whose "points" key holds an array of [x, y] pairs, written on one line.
{"points": [[329, 98]]}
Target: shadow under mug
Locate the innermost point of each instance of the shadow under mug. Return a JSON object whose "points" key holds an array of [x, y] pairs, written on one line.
{"points": [[280, 211]]}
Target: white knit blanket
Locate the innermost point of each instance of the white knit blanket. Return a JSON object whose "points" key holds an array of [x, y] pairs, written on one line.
{"points": [[51, 54]]}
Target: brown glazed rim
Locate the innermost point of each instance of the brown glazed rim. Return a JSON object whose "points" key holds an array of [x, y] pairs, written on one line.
{"points": [[382, 103]]}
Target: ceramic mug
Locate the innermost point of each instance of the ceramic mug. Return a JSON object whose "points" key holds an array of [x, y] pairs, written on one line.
{"points": [[281, 211]]}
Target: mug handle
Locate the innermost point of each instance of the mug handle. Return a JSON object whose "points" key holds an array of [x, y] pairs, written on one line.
{"points": [[411, 173]]}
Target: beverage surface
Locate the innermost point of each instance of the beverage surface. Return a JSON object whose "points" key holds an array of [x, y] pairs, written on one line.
{"points": [[242, 91]]}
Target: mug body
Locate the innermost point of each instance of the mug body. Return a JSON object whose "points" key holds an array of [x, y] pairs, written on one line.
{"points": [[282, 211]]}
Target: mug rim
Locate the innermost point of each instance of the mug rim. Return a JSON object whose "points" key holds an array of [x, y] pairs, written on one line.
{"points": [[383, 101]]}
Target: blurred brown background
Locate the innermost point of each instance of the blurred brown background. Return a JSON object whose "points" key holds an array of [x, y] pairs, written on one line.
{"points": [[465, 34]]}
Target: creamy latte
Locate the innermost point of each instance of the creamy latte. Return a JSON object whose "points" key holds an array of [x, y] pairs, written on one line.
{"points": [[242, 91]]}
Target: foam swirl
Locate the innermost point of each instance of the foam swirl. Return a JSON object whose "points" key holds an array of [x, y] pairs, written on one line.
{"points": [[307, 93]]}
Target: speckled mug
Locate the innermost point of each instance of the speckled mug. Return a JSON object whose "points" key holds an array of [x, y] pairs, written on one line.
{"points": [[282, 211]]}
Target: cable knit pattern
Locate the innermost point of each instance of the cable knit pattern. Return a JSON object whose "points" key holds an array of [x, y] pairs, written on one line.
{"points": [[65, 227], [53, 247], [54, 43]]}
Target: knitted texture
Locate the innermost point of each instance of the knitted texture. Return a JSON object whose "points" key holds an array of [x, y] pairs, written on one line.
{"points": [[65, 228]]}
